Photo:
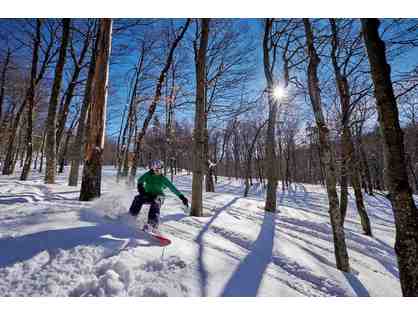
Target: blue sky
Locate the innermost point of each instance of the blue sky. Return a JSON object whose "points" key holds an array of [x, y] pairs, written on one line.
{"points": [[128, 39]]}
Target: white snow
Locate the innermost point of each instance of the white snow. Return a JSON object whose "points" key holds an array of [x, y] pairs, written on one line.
{"points": [[51, 244]]}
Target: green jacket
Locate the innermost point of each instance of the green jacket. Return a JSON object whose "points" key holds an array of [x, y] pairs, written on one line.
{"points": [[155, 184]]}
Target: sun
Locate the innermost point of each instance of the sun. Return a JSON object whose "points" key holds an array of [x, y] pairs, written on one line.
{"points": [[279, 92]]}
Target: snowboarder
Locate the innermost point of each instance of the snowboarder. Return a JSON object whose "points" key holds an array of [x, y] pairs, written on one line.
{"points": [[150, 188]]}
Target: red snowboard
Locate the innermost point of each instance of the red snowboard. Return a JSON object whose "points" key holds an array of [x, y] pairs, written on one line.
{"points": [[159, 237]]}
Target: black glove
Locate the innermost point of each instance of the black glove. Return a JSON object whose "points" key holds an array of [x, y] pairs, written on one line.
{"points": [[184, 200], [140, 188]]}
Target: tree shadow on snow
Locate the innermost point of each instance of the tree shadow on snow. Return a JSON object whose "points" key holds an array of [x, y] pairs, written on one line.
{"points": [[356, 285], [246, 280], [106, 234], [199, 239]]}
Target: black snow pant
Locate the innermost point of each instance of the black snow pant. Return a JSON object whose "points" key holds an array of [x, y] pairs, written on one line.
{"points": [[154, 211]]}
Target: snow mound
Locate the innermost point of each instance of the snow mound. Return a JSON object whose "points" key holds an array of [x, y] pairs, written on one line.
{"points": [[110, 279], [117, 278]]}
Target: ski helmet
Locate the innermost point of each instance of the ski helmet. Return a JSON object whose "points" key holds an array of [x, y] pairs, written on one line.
{"points": [[156, 164]]}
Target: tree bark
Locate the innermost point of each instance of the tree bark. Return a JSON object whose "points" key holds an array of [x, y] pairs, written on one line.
{"points": [[3, 82], [326, 154], [64, 150], [92, 171], [209, 182], [350, 164], [130, 125], [41, 147], [199, 129], [404, 209], [50, 146], [365, 166], [9, 164], [270, 161], [250, 153], [76, 155], [42, 152], [31, 102], [69, 94]]}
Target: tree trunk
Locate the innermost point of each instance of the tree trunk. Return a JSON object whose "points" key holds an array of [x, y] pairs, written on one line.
{"points": [[18, 149], [63, 114], [365, 166], [39, 150], [343, 181], [31, 102], [64, 151], [199, 128], [50, 146], [250, 153], [405, 211], [9, 163], [270, 160], [42, 152], [119, 146], [327, 157], [364, 217], [349, 161], [92, 171], [3, 81], [76, 155], [209, 183], [412, 170], [130, 125]]}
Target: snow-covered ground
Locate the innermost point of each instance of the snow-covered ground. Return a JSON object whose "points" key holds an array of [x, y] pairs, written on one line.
{"points": [[53, 245]]}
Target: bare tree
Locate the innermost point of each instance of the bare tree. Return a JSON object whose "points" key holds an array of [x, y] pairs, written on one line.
{"points": [[327, 157], [156, 99], [76, 155], [62, 157], [92, 171], [349, 159], [3, 81], [249, 156], [199, 130], [31, 101], [404, 209], [78, 63], [270, 160], [50, 146], [48, 55], [131, 117]]}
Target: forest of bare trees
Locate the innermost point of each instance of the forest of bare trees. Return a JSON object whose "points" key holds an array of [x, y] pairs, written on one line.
{"points": [[269, 102]]}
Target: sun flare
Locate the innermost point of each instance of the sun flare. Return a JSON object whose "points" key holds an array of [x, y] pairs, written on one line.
{"points": [[279, 92]]}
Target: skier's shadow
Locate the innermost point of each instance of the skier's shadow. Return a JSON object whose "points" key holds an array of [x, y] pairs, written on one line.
{"points": [[106, 234]]}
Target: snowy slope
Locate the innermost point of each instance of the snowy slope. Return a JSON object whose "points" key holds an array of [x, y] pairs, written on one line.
{"points": [[53, 245]]}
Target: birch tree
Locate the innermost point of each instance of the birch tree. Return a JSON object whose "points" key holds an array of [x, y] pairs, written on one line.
{"points": [[350, 165], [271, 168], [326, 153]]}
